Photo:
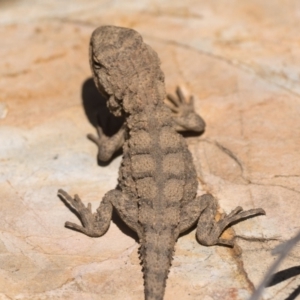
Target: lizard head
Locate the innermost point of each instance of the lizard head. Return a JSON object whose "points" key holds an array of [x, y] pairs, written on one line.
{"points": [[125, 68]]}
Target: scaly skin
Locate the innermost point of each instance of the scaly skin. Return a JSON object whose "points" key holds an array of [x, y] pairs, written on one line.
{"points": [[156, 194]]}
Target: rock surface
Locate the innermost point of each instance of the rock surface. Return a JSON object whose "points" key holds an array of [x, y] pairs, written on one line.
{"points": [[241, 61]]}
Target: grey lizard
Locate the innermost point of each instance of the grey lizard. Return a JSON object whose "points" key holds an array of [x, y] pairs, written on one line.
{"points": [[157, 184]]}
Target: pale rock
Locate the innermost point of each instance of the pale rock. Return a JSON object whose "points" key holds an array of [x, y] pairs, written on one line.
{"points": [[240, 59]]}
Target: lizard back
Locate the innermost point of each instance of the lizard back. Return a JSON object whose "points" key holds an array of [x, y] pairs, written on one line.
{"points": [[157, 167], [158, 172]]}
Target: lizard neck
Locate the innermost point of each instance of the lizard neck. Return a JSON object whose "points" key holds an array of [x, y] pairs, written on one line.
{"points": [[149, 95]]}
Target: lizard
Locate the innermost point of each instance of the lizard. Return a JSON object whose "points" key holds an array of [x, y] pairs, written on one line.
{"points": [[156, 195]]}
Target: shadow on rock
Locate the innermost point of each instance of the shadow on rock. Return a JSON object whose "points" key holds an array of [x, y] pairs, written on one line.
{"points": [[284, 275], [95, 108]]}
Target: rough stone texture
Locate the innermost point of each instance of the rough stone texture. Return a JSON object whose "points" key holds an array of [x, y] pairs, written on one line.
{"points": [[240, 59]]}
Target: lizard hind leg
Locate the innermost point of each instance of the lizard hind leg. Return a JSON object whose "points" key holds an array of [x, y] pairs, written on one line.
{"points": [[209, 230], [93, 224], [204, 209], [96, 224]]}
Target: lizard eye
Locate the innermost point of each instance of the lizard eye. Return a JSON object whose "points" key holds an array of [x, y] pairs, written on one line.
{"points": [[97, 65]]}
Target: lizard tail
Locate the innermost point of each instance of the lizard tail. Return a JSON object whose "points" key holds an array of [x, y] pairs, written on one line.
{"points": [[157, 255]]}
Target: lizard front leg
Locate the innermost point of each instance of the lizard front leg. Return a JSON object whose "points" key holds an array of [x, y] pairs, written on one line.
{"points": [[107, 146], [204, 209], [96, 224], [184, 115]]}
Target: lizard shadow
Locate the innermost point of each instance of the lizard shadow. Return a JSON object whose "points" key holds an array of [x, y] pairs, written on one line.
{"points": [[123, 227], [97, 113], [191, 134]]}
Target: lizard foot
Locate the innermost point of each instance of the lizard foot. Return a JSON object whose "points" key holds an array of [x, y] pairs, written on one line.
{"points": [[208, 233], [85, 214], [184, 112], [180, 104]]}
